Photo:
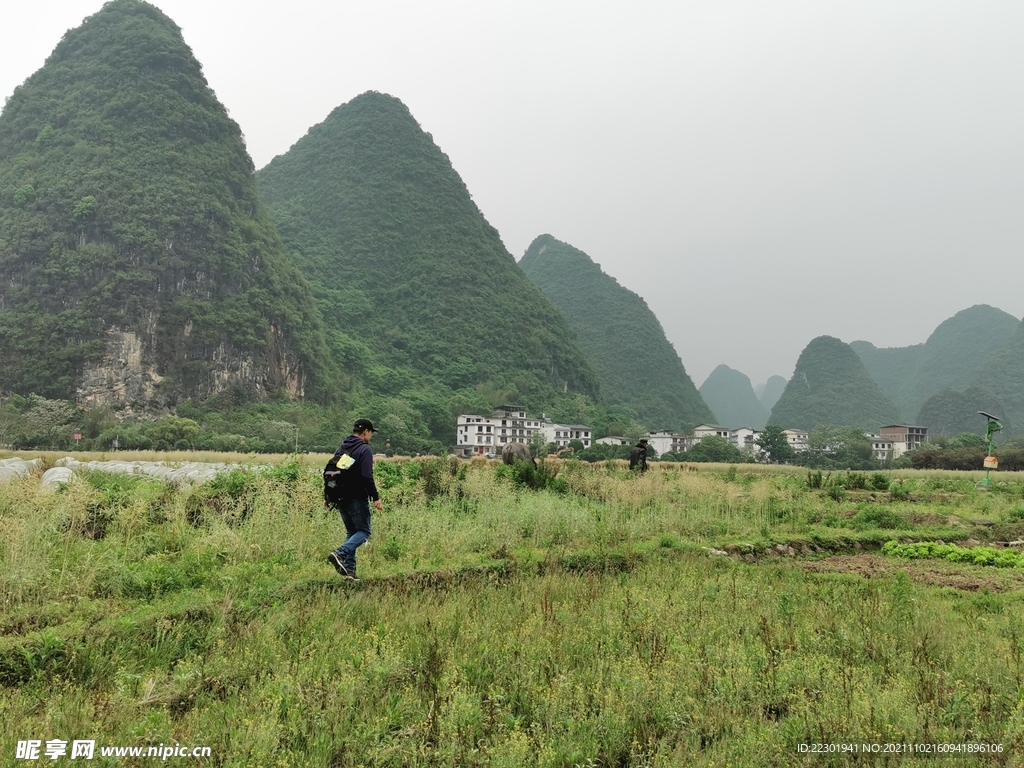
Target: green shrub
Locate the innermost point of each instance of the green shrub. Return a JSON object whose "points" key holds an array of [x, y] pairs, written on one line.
{"points": [[879, 482], [899, 490], [443, 477], [879, 517], [837, 492], [536, 477]]}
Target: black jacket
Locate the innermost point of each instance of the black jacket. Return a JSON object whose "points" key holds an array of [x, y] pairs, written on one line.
{"points": [[638, 457], [357, 481]]}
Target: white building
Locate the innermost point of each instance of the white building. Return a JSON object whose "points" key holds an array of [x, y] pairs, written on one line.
{"points": [[562, 434], [744, 439], [480, 435], [881, 447], [488, 434], [904, 437], [797, 439], [612, 440], [710, 430], [669, 442]]}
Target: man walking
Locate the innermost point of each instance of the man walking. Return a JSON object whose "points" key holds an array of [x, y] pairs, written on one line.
{"points": [[355, 490], [638, 456]]}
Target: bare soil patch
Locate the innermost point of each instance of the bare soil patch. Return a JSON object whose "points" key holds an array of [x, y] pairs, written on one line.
{"points": [[938, 573]]}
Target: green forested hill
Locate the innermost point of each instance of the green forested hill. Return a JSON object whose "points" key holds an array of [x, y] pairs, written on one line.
{"points": [[955, 411], [772, 391], [422, 302], [892, 368], [638, 368], [831, 386], [1003, 373], [134, 251], [997, 388], [949, 358], [730, 395]]}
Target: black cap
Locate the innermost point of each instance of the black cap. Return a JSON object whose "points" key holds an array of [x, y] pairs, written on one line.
{"points": [[362, 425], [643, 439]]}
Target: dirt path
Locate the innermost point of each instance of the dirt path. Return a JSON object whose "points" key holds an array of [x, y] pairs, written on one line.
{"points": [[937, 573]]}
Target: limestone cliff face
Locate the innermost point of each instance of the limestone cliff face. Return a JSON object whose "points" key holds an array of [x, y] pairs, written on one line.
{"points": [[128, 374], [137, 265], [119, 378]]}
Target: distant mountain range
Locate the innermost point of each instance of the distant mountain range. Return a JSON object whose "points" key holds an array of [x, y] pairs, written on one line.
{"points": [[640, 373], [771, 392], [973, 361], [996, 387], [949, 359], [731, 396], [143, 268]]}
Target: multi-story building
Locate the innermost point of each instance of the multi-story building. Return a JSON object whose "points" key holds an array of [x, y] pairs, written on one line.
{"points": [[480, 435], [709, 430], [904, 437], [881, 447], [665, 441], [744, 439], [563, 434], [797, 439]]}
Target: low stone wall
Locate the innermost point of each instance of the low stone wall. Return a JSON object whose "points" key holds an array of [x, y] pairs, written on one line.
{"points": [[176, 472]]}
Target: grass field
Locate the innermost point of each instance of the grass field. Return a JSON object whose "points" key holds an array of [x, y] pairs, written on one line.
{"points": [[587, 624]]}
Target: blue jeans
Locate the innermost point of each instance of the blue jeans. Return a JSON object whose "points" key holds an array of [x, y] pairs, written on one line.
{"points": [[356, 516]]}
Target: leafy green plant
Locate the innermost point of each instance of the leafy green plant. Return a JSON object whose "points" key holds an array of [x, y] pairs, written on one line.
{"points": [[999, 558], [898, 489], [879, 517], [836, 492], [542, 475]]}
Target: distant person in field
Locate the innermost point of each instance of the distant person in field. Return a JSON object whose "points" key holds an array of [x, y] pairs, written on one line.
{"points": [[351, 494], [638, 456]]}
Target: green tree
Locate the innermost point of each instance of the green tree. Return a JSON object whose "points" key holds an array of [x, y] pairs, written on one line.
{"points": [[97, 420], [774, 445], [714, 449], [11, 423], [49, 422], [967, 440], [172, 431], [840, 447]]}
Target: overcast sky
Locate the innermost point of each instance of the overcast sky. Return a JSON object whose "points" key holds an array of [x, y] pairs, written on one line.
{"points": [[760, 172]]}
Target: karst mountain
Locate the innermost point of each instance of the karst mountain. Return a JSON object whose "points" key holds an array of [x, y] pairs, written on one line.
{"points": [[770, 393], [638, 369], [949, 359], [139, 267], [419, 297], [997, 387], [830, 386], [731, 397]]}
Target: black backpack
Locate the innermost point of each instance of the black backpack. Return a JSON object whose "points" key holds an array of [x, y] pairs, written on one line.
{"points": [[333, 472]]}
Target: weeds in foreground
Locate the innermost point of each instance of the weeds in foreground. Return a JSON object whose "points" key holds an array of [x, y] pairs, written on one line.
{"points": [[498, 625]]}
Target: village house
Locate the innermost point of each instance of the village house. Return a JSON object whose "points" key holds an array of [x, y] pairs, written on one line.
{"points": [[797, 439], [904, 437], [563, 434], [709, 430], [744, 438], [482, 435], [881, 447]]}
